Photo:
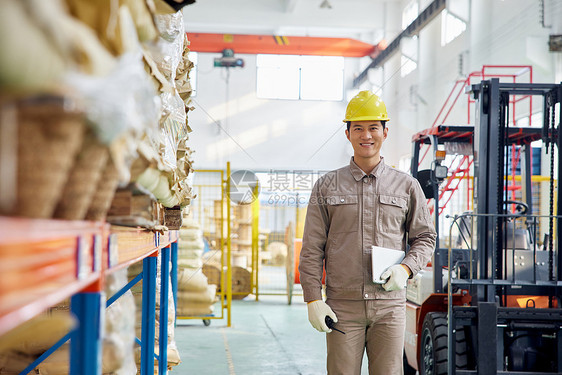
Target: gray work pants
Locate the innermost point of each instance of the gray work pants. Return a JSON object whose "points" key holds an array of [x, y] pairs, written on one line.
{"points": [[373, 325]]}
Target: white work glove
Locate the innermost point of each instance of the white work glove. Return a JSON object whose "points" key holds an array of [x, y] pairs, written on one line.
{"points": [[317, 311], [397, 278]]}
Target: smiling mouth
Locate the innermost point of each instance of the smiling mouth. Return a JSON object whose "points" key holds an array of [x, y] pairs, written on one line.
{"points": [[366, 144]]}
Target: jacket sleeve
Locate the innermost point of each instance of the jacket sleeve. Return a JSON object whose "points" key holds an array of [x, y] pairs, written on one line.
{"points": [[314, 239], [420, 229]]}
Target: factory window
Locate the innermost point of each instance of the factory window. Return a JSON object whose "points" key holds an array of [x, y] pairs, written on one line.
{"points": [[451, 27], [409, 48], [193, 73], [407, 66], [321, 78], [409, 14], [278, 76], [300, 77]]}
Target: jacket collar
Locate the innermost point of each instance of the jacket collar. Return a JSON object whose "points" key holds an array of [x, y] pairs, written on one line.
{"points": [[358, 173]]}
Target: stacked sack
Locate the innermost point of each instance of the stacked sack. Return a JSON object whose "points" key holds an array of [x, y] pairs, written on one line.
{"points": [[96, 94], [195, 296], [27, 342], [165, 160]]}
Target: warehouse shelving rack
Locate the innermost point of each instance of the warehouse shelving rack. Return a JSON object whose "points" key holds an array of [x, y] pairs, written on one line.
{"points": [[43, 262]]}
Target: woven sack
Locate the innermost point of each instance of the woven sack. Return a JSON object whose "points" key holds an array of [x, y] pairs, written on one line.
{"points": [[193, 309], [192, 280], [190, 263], [103, 195], [208, 296], [13, 363], [48, 137], [82, 180], [37, 335]]}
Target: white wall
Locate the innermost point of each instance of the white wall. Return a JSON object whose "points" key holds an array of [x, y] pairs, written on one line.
{"points": [[262, 134], [282, 134]]}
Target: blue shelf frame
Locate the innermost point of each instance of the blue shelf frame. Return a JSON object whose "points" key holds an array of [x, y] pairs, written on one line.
{"points": [[87, 305], [164, 294], [148, 324], [174, 256], [85, 340]]}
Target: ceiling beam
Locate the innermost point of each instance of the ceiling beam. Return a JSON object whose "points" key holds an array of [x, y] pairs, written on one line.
{"points": [[279, 45], [432, 11]]}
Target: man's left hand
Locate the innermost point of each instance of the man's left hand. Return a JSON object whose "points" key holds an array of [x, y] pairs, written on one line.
{"points": [[397, 278]]}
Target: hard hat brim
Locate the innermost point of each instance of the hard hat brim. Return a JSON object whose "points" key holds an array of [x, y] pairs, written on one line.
{"points": [[367, 118]]}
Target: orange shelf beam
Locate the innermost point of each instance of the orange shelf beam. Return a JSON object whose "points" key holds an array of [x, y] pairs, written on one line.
{"points": [[19, 230], [33, 303], [43, 262], [280, 45], [131, 245]]}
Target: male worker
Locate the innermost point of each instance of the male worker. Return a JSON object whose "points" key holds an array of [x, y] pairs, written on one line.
{"points": [[351, 209]]}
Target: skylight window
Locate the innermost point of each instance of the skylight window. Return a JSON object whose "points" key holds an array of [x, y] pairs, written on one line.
{"points": [[451, 27]]}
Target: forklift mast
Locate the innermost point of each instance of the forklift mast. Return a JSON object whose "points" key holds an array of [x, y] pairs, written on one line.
{"points": [[490, 163], [505, 338]]}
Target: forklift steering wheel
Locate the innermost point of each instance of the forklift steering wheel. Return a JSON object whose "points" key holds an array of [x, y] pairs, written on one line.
{"points": [[521, 208]]}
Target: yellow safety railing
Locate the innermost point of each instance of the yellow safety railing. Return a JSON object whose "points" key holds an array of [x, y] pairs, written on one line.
{"points": [[255, 242], [228, 247], [217, 192], [245, 269]]}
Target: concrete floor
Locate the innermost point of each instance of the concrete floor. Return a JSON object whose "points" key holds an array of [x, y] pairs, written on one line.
{"points": [[266, 337]]}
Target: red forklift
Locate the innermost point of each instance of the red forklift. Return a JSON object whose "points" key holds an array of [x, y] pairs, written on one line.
{"points": [[489, 303]]}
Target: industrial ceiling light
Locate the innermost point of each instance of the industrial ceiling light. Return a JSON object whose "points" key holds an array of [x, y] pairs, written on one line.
{"points": [[325, 4]]}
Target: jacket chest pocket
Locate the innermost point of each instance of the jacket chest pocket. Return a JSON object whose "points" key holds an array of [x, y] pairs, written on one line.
{"points": [[344, 213], [392, 213]]}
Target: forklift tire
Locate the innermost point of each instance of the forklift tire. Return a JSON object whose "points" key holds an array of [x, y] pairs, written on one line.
{"points": [[433, 356]]}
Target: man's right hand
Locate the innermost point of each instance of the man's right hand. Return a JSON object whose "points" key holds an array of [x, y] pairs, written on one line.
{"points": [[317, 311]]}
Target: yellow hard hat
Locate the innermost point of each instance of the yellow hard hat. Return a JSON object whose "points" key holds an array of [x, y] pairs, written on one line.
{"points": [[366, 106]]}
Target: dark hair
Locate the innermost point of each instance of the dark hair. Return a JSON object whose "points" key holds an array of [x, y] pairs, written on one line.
{"points": [[382, 122]]}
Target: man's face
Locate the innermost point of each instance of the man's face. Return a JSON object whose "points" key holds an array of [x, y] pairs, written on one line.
{"points": [[366, 137]]}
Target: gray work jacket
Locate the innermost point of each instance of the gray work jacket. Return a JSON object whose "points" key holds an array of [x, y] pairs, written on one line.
{"points": [[348, 212]]}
